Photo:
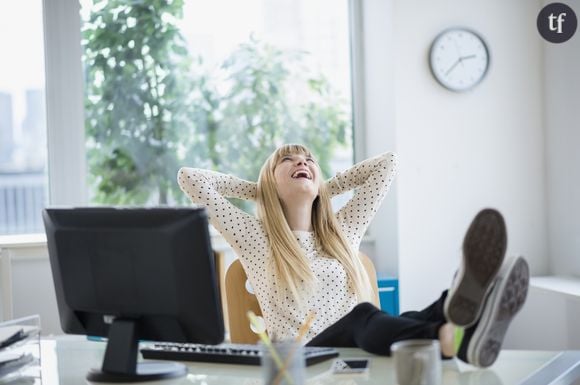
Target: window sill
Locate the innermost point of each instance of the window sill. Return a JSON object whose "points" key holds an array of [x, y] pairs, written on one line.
{"points": [[22, 240], [569, 286]]}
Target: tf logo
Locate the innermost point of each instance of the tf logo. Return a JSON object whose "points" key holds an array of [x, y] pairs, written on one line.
{"points": [[557, 22]]}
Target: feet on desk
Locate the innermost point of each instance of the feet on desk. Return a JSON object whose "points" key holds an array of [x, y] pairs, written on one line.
{"points": [[484, 248], [482, 342]]}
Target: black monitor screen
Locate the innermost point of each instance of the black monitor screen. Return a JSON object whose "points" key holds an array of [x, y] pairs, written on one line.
{"points": [[153, 268]]}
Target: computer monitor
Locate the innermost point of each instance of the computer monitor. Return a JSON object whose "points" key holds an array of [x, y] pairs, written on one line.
{"points": [[134, 274]]}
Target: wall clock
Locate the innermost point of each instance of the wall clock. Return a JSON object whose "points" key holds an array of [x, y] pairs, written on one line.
{"points": [[459, 59]]}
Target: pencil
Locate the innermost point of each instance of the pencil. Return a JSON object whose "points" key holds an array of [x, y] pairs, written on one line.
{"points": [[298, 341], [266, 341], [305, 326]]}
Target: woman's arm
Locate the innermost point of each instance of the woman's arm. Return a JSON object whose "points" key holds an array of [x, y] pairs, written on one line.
{"points": [[371, 180], [358, 174], [228, 186], [210, 189]]}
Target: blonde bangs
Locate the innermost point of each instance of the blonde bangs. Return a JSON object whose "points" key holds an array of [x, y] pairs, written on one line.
{"points": [[288, 149]]}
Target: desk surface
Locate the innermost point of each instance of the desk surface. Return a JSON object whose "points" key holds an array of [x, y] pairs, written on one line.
{"points": [[66, 360]]}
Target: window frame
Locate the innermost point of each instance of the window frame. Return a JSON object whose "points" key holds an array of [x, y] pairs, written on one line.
{"points": [[64, 103]]}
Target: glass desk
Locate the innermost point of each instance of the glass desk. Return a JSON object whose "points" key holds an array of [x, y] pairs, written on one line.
{"points": [[66, 360]]}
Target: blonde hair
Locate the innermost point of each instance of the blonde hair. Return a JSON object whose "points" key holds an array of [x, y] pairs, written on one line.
{"points": [[290, 264]]}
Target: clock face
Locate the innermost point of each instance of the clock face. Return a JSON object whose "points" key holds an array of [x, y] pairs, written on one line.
{"points": [[459, 59]]}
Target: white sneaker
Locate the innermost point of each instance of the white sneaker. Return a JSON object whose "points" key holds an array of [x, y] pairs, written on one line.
{"points": [[482, 343]]}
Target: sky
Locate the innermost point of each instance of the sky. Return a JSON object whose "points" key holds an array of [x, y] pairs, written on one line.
{"points": [[21, 44], [21, 51]]}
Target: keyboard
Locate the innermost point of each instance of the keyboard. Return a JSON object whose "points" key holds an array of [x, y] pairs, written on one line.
{"points": [[225, 353]]}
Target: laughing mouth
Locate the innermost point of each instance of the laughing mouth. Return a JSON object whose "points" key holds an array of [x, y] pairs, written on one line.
{"points": [[302, 174]]}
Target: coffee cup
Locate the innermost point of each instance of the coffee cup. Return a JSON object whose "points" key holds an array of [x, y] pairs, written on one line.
{"points": [[417, 362]]}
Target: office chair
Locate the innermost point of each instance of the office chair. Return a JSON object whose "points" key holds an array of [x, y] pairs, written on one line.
{"points": [[239, 300]]}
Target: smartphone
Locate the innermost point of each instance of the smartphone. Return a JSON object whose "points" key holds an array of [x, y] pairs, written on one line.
{"points": [[349, 366]]}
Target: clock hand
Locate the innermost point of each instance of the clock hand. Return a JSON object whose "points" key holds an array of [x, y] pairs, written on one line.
{"points": [[453, 66], [459, 61]]}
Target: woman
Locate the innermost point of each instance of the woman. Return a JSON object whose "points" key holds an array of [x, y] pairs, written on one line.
{"points": [[300, 257]]}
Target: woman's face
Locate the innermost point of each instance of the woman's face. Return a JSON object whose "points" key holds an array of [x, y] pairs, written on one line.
{"points": [[297, 177]]}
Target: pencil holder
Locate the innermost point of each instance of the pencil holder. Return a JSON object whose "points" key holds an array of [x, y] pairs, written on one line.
{"points": [[283, 363]]}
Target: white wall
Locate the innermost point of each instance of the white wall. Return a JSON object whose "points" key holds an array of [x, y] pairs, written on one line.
{"points": [[548, 321], [458, 152], [511, 143], [30, 289], [562, 110], [33, 291]]}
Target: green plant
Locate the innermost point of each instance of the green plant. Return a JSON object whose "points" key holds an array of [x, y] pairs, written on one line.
{"points": [[136, 107], [151, 107], [272, 99]]}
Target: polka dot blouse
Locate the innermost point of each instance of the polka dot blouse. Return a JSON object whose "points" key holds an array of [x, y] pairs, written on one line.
{"points": [[332, 296]]}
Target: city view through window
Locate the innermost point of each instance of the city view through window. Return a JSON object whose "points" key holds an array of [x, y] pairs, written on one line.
{"points": [[23, 182]]}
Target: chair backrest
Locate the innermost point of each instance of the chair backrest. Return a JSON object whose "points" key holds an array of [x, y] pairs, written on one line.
{"points": [[239, 300]]}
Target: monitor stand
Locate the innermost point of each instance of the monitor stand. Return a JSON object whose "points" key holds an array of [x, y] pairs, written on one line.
{"points": [[120, 362]]}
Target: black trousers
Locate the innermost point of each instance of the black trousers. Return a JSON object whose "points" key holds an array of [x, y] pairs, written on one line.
{"points": [[374, 331]]}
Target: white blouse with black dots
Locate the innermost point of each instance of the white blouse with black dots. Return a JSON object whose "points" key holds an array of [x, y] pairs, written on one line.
{"points": [[333, 297]]}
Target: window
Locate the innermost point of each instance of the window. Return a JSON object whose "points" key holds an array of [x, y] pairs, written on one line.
{"points": [[215, 84], [23, 156]]}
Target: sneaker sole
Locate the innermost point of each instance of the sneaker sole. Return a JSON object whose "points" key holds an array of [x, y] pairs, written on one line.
{"points": [[484, 249], [505, 301]]}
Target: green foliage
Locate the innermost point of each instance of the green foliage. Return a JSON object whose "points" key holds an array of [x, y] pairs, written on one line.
{"points": [[273, 100], [151, 108], [136, 115]]}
